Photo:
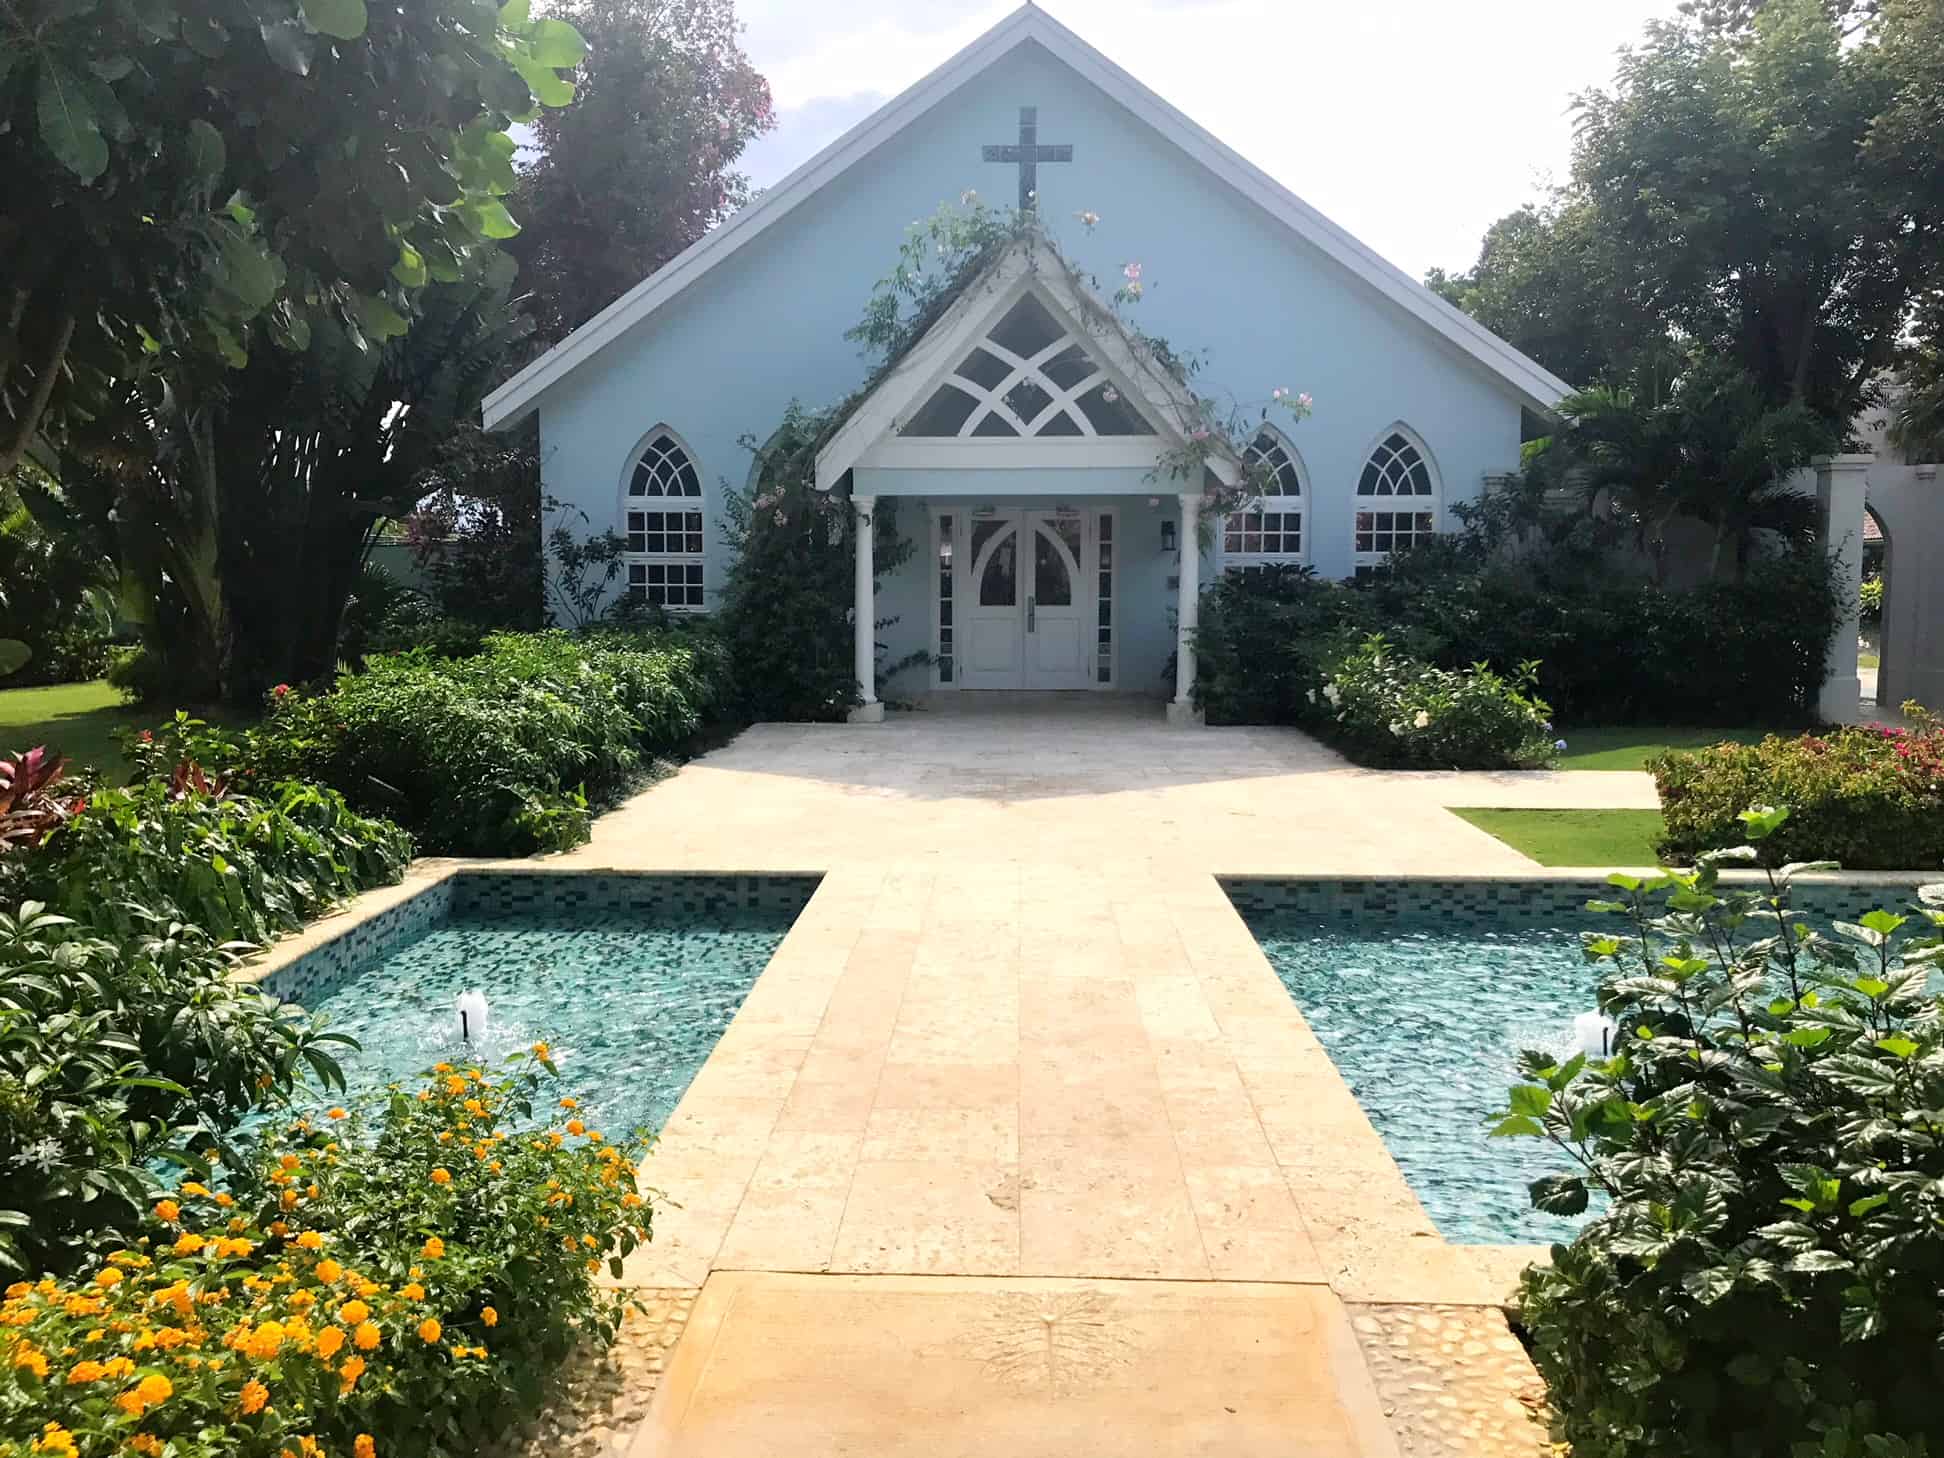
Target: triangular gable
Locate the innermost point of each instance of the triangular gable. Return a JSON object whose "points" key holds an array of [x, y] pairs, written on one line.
{"points": [[1536, 387], [1024, 368]]}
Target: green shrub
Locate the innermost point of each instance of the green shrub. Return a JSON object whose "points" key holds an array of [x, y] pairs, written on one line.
{"points": [[140, 676], [791, 588], [124, 1039], [506, 752], [1870, 798], [1609, 650], [403, 1288], [1764, 1277], [116, 1055], [1870, 600], [243, 867], [1384, 708]]}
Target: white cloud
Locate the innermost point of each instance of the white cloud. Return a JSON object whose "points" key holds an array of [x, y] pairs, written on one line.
{"points": [[1413, 123]]}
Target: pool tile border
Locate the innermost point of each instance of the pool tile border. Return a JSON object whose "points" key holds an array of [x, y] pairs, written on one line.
{"points": [[373, 926]]}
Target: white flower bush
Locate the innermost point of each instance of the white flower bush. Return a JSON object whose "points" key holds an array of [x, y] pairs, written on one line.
{"points": [[1387, 708]]}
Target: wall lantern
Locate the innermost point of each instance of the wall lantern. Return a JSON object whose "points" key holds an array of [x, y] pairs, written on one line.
{"points": [[1167, 535]]}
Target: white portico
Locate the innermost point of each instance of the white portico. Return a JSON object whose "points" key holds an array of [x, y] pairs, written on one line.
{"points": [[1032, 425]]}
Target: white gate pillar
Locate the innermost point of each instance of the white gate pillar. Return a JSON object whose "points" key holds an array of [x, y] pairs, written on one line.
{"points": [[1840, 486], [1181, 709], [864, 628]]}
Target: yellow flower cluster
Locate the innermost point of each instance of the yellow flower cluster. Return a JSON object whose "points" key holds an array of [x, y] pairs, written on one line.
{"points": [[256, 1321]]}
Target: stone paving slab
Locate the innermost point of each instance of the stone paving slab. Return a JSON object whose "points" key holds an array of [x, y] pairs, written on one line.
{"points": [[815, 1366]]}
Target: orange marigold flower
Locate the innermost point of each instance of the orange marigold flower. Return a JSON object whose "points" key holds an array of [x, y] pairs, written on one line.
{"points": [[433, 1249], [147, 1444], [330, 1342], [329, 1271], [225, 1201], [338, 1113], [366, 1336], [442, 1176], [288, 1161], [30, 1360], [168, 1210], [455, 1084], [630, 1200], [85, 1372], [363, 1447], [430, 1330], [193, 1188], [351, 1371], [489, 1316], [442, 1068], [353, 1312], [311, 1240], [539, 1050], [108, 1278], [475, 1107], [254, 1396], [570, 1102], [412, 1291], [574, 1126]]}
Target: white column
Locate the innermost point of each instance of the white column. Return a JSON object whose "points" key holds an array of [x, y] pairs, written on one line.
{"points": [[1840, 485], [1187, 611], [865, 608]]}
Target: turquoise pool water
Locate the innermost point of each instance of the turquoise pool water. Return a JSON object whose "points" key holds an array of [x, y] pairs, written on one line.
{"points": [[1425, 992], [631, 998], [1425, 1025]]}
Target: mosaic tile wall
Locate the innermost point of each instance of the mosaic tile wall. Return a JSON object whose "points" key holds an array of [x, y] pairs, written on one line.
{"points": [[538, 896], [1495, 903]]}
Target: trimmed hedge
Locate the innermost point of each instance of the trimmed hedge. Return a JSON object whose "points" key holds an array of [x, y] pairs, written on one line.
{"points": [[1867, 797]]}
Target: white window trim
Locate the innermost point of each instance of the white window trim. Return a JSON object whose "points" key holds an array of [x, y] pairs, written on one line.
{"points": [[1419, 505], [1240, 561], [697, 504]]}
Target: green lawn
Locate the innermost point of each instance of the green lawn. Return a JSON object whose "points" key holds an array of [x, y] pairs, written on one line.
{"points": [[1611, 839], [1869, 660], [75, 719], [1630, 746]]}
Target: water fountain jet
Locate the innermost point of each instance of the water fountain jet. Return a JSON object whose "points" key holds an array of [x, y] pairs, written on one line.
{"points": [[472, 1013]]}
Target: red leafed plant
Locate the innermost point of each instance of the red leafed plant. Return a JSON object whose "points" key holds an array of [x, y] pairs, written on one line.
{"points": [[190, 777], [29, 803]]}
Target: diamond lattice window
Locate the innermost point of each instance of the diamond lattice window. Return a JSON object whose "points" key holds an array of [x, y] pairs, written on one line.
{"points": [[664, 518], [1030, 376], [1269, 530]]}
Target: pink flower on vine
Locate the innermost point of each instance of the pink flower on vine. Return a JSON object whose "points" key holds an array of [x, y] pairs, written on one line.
{"points": [[1133, 273], [1110, 394], [1089, 219], [1200, 432], [782, 518]]}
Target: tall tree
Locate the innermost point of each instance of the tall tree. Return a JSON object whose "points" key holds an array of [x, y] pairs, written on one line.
{"points": [[239, 511], [643, 162], [1769, 190], [183, 177]]}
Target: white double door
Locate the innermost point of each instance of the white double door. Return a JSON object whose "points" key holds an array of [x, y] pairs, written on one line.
{"points": [[1030, 601]]}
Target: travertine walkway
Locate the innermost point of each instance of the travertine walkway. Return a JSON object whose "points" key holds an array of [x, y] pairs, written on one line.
{"points": [[1020, 1036]]}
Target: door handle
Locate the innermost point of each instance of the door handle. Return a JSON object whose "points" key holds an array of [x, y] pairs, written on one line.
{"points": [[1031, 603]]}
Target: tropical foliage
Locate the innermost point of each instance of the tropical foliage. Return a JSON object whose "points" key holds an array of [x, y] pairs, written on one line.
{"points": [[1710, 450], [190, 180], [401, 1279], [1762, 1275], [54, 598], [1869, 796]]}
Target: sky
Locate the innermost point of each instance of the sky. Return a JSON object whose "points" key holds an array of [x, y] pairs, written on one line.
{"points": [[1413, 123]]}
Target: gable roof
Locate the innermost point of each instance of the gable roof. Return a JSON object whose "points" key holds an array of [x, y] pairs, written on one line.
{"points": [[1028, 265], [1536, 387]]}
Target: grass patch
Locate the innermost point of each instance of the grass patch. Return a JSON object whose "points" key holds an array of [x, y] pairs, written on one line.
{"points": [[1604, 838], [1630, 746], [80, 720], [1869, 660]]}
